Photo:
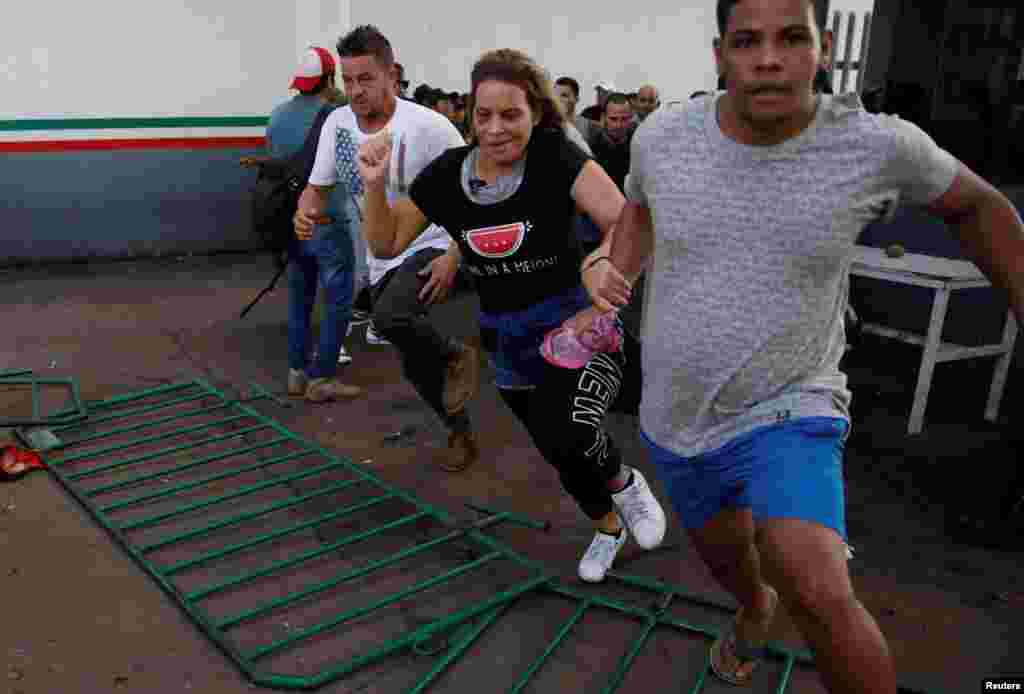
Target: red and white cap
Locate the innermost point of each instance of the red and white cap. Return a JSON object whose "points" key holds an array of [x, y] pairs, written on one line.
{"points": [[314, 64]]}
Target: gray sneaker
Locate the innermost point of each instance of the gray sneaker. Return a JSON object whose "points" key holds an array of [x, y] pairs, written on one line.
{"points": [[375, 338], [297, 383]]}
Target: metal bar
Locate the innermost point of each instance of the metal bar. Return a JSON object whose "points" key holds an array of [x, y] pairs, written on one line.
{"points": [[953, 352], [138, 410], [698, 685], [455, 653], [271, 536], [552, 646], [851, 28], [185, 486], [802, 657], [886, 331], [243, 517], [145, 425], [11, 373], [1002, 369], [96, 491], [207, 591], [285, 600], [837, 18], [35, 399], [439, 514], [91, 472], [143, 394], [428, 630], [663, 587], [213, 501], [627, 660], [138, 395], [149, 439], [865, 46], [304, 634], [198, 617], [787, 671], [77, 413]]}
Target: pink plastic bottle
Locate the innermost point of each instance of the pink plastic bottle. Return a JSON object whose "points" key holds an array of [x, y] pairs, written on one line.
{"points": [[568, 349]]}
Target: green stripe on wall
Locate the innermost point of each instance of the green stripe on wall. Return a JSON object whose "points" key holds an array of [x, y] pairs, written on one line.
{"points": [[111, 123]]}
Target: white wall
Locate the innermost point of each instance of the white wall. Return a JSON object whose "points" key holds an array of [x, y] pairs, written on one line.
{"points": [[146, 58], [667, 43], [123, 58]]}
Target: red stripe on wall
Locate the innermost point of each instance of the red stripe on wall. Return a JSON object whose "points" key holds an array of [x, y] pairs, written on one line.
{"points": [[137, 143]]}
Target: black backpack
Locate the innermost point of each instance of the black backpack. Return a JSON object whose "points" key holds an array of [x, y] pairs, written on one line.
{"points": [[275, 198]]}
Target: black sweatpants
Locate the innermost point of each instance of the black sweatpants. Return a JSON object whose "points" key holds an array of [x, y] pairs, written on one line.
{"points": [[402, 318], [564, 416]]}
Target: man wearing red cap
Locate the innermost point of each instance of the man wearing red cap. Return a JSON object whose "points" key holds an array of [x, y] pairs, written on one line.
{"points": [[327, 260]]}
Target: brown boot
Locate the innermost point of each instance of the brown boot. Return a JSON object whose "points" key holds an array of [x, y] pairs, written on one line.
{"points": [[324, 389], [462, 378], [462, 452]]}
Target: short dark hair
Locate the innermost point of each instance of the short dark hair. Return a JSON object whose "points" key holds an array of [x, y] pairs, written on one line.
{"points": [[421, 92], [698, 93], [617, 98], [367, 40], [570, 83], [724, 11]]}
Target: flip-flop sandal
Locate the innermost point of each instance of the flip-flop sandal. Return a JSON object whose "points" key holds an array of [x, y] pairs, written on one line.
{"points": [[16, 462], [748, 655]]}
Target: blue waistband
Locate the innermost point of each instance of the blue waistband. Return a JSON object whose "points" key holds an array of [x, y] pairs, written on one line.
{"points": [[517, 336]]}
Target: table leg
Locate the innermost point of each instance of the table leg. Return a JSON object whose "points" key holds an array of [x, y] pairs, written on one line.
{"points": [[931, 352], [995, 392]]}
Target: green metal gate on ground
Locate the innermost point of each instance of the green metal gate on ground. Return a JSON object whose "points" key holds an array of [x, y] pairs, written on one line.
{"points": [[305, 568]]}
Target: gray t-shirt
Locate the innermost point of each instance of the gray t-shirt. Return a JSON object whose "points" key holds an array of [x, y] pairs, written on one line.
{"points": [[751, 261]]}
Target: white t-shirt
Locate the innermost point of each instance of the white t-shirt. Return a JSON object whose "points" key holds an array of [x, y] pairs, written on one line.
{"points": [[420, 136]]}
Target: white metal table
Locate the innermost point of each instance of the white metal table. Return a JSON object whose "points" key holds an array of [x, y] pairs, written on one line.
{"points": [[944, 276]]}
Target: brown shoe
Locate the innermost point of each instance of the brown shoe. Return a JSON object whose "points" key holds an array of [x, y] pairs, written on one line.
{"points": [[324, 389], [462, 452], [462, 379]]}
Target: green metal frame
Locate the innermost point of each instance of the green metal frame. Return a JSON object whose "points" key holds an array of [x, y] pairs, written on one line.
{"points": [[26, 377], [458, 630]]}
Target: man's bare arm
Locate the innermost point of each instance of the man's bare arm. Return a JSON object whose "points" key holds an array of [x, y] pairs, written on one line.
{"points": [[633, 240], [990, 230]]}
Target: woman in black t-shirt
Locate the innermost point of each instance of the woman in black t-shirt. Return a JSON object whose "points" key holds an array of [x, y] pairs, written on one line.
{"points": [[508, 200]]}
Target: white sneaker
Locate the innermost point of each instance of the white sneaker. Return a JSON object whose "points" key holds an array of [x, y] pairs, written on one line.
{"points": [[600, 554], [343, 356], [641, 512], [375, 338]]}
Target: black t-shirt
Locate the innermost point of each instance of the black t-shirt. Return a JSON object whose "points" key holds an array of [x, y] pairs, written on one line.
{"points": [[520, 250], [612, 156]]}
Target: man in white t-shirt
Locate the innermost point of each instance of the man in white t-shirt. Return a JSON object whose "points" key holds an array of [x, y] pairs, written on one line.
{"points": [[444, 371]]}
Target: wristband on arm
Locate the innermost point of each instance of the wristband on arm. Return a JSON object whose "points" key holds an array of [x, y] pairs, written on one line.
{"points": [[594, 262]]}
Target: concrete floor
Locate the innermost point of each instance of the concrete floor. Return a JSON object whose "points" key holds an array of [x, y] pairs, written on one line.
{"points": [[80, 616]]}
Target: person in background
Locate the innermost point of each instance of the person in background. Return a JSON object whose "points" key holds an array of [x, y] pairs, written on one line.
{"points": [[324, 260], [647, 101], [444, 371]]}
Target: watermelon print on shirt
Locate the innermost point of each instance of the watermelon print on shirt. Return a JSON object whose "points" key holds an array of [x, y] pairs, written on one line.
{"points": [[497, 242]]}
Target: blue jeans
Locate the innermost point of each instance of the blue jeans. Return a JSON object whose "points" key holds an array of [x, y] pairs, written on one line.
{"points": [[326, 261]]}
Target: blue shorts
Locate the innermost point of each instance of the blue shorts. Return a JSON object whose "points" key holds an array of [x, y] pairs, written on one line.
{"points": [[788, 470]]}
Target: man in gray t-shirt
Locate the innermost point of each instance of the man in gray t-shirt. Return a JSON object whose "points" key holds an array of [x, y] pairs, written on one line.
{"points": [[751, 201]]}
